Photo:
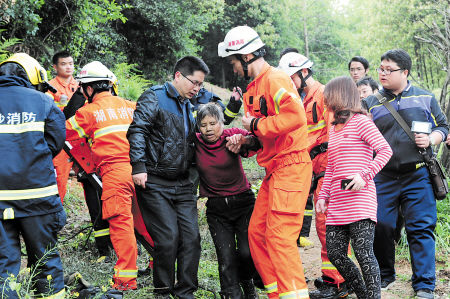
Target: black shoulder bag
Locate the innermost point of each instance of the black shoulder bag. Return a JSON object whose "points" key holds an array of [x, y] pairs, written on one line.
{"points": [[437, 175]]}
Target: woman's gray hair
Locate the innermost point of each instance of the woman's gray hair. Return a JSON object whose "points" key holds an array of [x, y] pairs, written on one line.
{"points": [[210, 109]]}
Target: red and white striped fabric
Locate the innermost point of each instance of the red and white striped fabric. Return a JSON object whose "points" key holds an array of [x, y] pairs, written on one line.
{"points": [[350, 151]]}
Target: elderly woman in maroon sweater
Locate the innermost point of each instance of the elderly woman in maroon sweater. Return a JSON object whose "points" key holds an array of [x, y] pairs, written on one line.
{"points": [[230, 199]]}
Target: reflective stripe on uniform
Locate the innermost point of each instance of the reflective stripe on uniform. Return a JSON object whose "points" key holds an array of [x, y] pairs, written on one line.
{"points": [[277, 98], [328, 266], [28, 193], [110, 129], [77, 128], [270, 288], [295, 294], [230, 113], [101, 233], [8, 214], [308, 213], [320, 125], [125, 273], [22, 128]]}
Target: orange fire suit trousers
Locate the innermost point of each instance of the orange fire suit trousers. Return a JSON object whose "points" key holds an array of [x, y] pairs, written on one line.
{"points": [[62, 167], [118, 191], [329, 271], [274, 228]]}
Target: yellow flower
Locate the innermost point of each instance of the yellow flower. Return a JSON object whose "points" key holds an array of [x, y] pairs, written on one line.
{"points": [[81, 234], [49, 277], [12, 275], [104, 289], [76, 294]]}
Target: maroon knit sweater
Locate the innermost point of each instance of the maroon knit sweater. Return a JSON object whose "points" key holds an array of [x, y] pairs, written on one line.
{"points": [[221, 172]]}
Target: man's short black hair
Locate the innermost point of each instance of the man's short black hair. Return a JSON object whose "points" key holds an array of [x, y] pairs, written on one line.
{"points": [[400, 57], [360, 59], [288, 50], [61, 54], [369, 82], [189, 64]]}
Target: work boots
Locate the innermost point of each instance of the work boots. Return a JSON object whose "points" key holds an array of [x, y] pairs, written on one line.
{"points": [[249, 289]]}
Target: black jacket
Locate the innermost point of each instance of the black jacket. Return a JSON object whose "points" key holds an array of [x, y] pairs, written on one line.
{"points": [[158, 143]]}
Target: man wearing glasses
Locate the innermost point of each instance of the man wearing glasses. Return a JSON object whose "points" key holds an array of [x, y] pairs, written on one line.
{"points": [[404, 181], [161, 140]]}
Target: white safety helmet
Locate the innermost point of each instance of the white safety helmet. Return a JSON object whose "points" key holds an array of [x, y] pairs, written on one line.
{"points": [[95, 71], [240, 40], [292, 62]]}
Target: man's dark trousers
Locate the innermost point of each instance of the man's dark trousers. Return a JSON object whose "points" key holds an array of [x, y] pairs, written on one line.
{"points": [[414, 193], [170, 215]]}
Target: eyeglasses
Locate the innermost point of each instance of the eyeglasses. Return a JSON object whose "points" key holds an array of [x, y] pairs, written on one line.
{"points": [[196, 83], [387, 72]]}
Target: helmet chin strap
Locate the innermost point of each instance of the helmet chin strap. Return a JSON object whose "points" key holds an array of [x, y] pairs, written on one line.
{"points": [[245, 64], [303, 80], [89, 97]]}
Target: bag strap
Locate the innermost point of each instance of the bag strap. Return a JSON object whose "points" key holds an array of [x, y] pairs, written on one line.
{"points": [[384, 100]]}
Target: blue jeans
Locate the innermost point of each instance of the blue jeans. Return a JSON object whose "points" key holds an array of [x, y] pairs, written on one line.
{"points": [[40, 236], [414, 193]]}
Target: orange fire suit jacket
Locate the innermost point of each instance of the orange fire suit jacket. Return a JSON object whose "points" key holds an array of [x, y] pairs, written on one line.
{"points": [[317, 116], [96, 121], [63, 88], [280, 123]]}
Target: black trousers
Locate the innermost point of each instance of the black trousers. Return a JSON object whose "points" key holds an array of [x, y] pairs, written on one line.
{"points": [[228, 219], [170, 216]]}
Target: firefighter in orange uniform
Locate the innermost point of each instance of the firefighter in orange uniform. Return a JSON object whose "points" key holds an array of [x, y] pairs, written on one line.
{"points": [[105, 121], [274, 113], [66, 86], [298, 67]]}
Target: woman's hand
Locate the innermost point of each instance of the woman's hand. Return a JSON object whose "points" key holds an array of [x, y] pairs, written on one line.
{"points": [[321, 206], [356, 184], [235, 142]]}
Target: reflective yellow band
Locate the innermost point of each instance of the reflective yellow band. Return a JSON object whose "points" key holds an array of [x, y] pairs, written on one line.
{"points": [[60, 295], [28, 193], [77, 128], [101, 233], [277, 98], [230, 113], [320, 125], [418, 165], [270, 288], [328, 266], [22, 128], [125, 273], [110, 129], [295, 294], [8, 213], [308, 212]]}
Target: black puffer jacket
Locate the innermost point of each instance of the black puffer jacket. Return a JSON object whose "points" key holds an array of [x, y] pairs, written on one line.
{"points": [[158, 143]]}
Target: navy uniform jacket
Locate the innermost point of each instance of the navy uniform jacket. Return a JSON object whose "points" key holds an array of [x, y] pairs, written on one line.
{"points": [[413, 104], [32, 132]]}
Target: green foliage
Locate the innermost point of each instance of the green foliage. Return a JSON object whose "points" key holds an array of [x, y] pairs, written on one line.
{"points": [[131, 83], [6, 44]]}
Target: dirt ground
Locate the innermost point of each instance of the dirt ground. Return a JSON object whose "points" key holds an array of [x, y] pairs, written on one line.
{"points": [[402, 287]]}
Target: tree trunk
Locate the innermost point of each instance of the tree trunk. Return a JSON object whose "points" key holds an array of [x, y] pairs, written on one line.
{"points": [[305, 31]]}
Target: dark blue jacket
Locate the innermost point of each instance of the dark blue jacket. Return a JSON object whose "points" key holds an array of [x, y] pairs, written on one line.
{"points": [[413, 104], [204, 96], [32, 132], [158, 143]]}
